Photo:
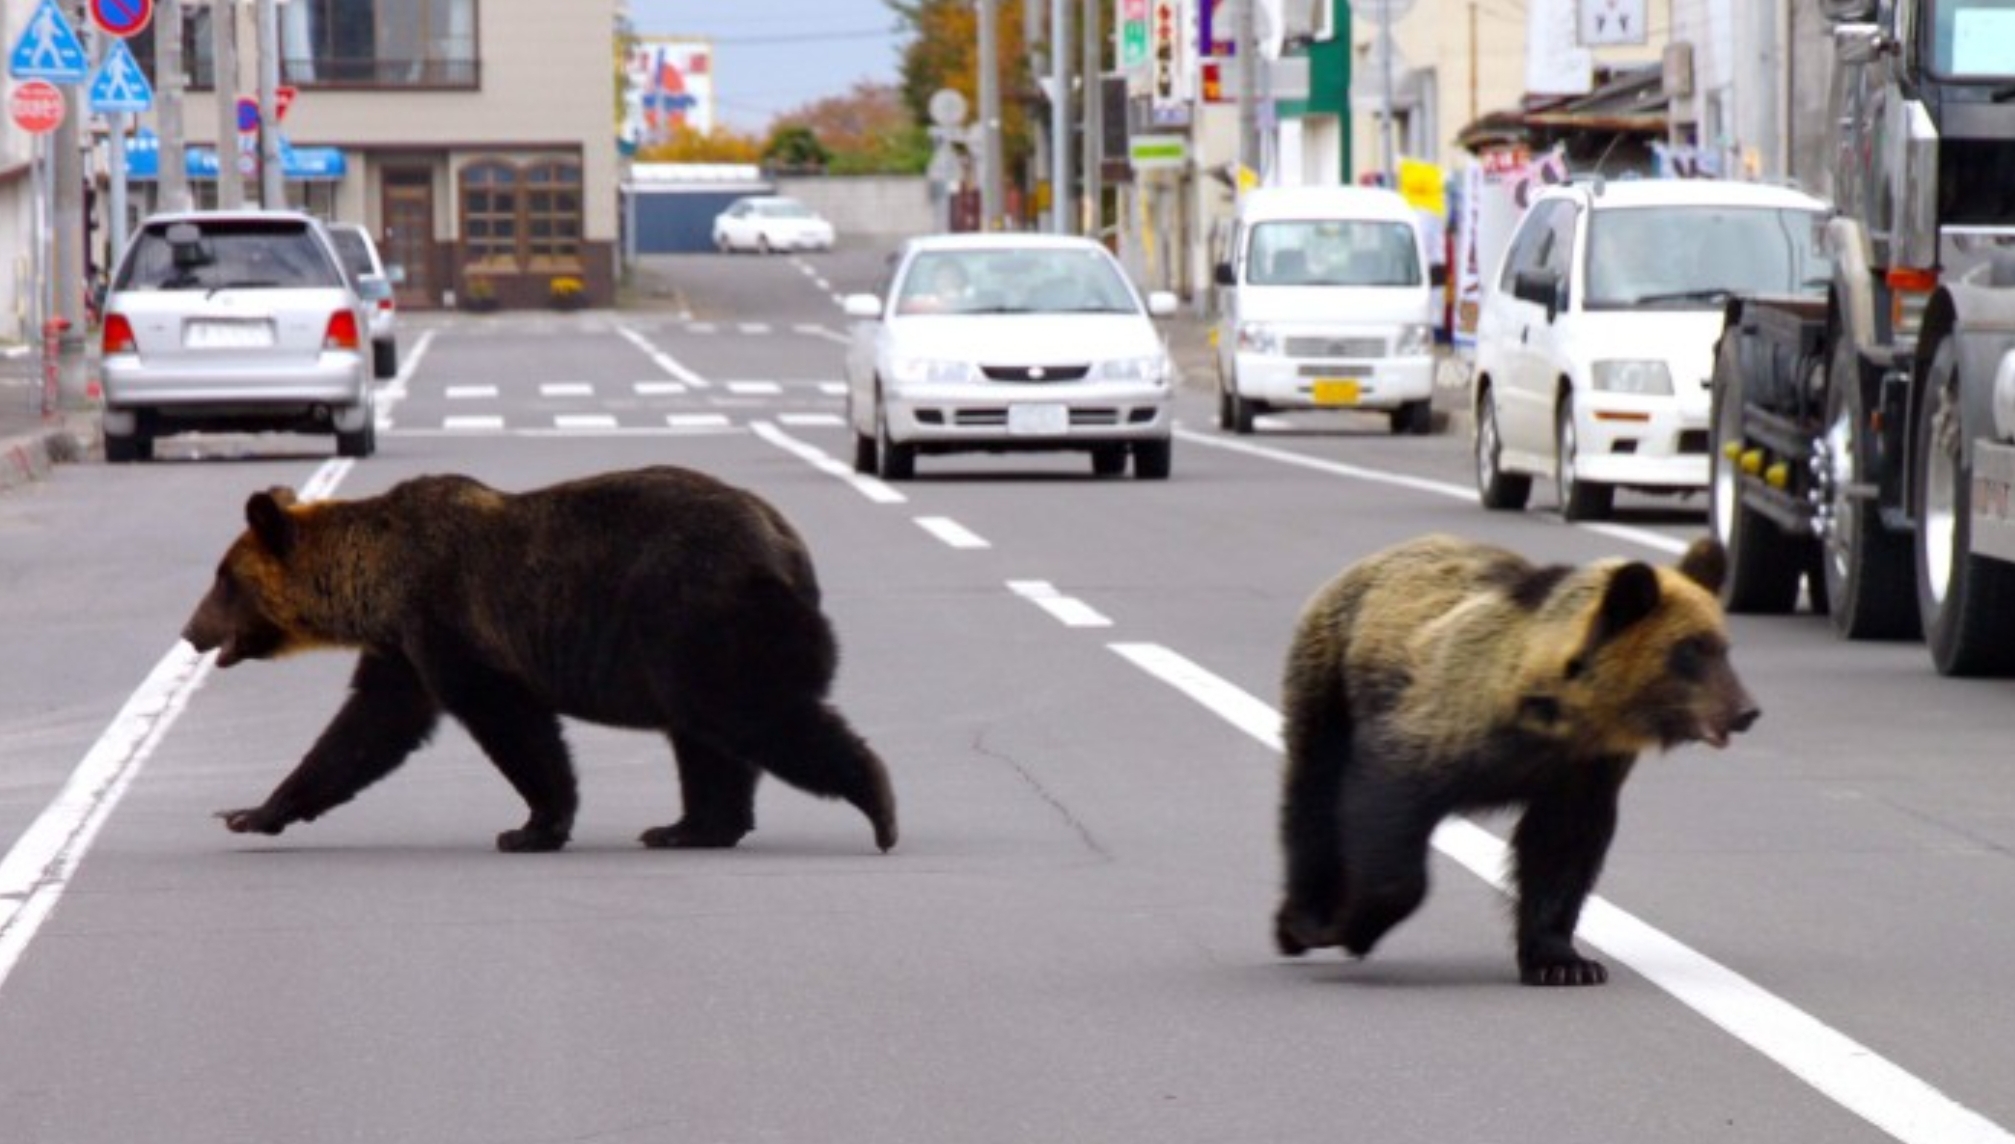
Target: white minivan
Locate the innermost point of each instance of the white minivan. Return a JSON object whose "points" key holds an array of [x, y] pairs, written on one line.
{"points": [[1324, 302]]}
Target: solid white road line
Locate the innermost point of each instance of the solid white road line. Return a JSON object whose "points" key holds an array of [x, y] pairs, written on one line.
{"points": [[1070, 610], [951, 532], [872, 488], [663, 360], [1638, 536], [39, 867], [1847, 1072]]}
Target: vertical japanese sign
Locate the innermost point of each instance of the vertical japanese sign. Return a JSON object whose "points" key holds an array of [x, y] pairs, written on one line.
{"points": [[1132, 34]]}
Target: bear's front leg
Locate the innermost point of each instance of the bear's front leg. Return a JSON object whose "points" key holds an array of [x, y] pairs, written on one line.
{"points": [[388, 715], [521, 734], [1558, 849]]}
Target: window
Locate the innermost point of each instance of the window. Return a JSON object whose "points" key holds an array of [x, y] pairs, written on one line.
{"points": [[379, 43], [522, 217]]}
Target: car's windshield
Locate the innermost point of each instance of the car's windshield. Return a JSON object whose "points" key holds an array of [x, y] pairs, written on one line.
{"points": [[1013, 282], [1333, 252], [1698, 256], [1973, 39], [784, 209], [240, 254]]}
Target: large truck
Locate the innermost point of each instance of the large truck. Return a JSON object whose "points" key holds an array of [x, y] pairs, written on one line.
{"points": [[1863, 446]]}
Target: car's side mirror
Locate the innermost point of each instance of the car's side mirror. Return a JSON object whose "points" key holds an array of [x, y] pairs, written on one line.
{"points": [[864, 306], [1161, 303], [1223, 275], [373, 288], [1540, 287]]}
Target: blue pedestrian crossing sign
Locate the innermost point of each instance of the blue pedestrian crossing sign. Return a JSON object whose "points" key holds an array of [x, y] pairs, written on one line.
{"points": [[120, 85], [49, 49]]}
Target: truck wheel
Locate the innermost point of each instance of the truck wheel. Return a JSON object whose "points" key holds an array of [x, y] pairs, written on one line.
{"points": [[1967, 603], [1496, 488], [1764, 564], [1869, 570], [1579, 500]]}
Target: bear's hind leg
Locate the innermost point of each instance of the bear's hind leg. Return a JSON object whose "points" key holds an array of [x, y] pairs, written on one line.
{"points": [[809, 745], [1558, 851], [717, 792], [521, 735]]}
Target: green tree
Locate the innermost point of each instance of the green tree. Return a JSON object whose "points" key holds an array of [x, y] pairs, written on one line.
{"points": [[869, 130], [945, 54], [795, 147]]}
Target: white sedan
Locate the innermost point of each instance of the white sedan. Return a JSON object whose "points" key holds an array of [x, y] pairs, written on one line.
{"points": [[769, 222], [1010, 343]]}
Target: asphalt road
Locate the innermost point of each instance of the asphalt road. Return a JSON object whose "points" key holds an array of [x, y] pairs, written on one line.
{"points": [[1811, 934]]}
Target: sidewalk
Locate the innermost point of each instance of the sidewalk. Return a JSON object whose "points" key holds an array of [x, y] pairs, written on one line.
{"points": [[30, 445]]}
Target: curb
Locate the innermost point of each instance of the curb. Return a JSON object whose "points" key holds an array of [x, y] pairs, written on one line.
{"points": [[27, 456]]}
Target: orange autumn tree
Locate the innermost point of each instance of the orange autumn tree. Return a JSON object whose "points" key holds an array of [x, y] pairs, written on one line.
{"points": [[945, 54], [721, 145]]}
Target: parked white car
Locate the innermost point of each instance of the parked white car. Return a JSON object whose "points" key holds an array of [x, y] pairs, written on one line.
{"points": [[771, 222], [1010, 343], [1595, 342], [374, 285]]}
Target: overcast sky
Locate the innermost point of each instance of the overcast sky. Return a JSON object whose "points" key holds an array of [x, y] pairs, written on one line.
{"points": [[771, 56]]}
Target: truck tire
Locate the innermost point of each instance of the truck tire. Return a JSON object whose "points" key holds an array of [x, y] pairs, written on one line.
{"points": [[1765, 564], [1496, 488], [1870, 571], [1967, 603]]}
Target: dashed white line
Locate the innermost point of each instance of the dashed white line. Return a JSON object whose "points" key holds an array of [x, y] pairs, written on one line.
{"points": [[659, 388], [472, 424], [471, 392], [697, 420], [811, 420], [1846, 1071], [754, 388], [952, 532], [872, 488], [572, 421], [664, 361], [566, 389], [1069, 610]]}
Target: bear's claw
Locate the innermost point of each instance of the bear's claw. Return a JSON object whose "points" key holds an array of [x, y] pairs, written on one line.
{"points": [[251, 820]]}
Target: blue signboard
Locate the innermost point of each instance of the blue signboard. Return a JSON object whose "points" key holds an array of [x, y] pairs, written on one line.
{"points": [[143, 160], [121, 85], [49, 49]]}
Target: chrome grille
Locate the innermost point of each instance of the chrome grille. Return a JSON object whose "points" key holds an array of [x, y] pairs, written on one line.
{"points": [[1035, 373]]}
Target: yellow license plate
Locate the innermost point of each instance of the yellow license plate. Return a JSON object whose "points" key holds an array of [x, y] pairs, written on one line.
{"points": [[1337, 392]]}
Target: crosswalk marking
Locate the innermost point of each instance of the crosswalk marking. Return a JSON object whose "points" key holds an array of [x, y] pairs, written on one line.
{"points": [[585, 421], [470, 392], [754, 388], [567, 389], [473, 424], [696, 420], [660, 388]]}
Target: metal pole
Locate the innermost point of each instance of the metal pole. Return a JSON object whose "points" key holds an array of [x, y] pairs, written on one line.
{"points": [[1248, 84], [173, 180], [272, 184], [1094, 120], [1385, 49], [1059, 117], [115, 221], [66, 203], [990, 115], [224, 54]]}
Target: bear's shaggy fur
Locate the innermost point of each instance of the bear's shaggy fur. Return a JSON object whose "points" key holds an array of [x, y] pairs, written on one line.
{"points": [[657, 599], [1443, 676]]}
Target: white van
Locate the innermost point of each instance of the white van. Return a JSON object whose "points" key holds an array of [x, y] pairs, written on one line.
{"points": [[1324, 303]]}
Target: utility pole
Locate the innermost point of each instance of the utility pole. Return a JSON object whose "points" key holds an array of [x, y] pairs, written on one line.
{"points": [[224, 41], [66, 205], [1094, 119], [272, 185], [990, 115], [1060, 197], [174, 170], [1248, 85]]}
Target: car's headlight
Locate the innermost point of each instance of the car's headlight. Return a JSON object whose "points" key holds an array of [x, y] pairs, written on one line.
{"points": [[1414, 341], [1151, 369], [928, 371], [1644, 377], [1258, 338]]}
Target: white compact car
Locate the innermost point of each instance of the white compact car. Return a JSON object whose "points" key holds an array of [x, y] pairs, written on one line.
{"points": [[1009, 343], [1595, 342], [770, 222]]}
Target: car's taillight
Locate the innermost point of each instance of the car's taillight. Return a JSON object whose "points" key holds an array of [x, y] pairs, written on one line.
{"points": [[386, 306], [117, 336], [342, 332]]}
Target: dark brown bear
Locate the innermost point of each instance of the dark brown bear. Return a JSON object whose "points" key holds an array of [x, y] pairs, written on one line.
{"points": [[659, 599], [1442, 676]]}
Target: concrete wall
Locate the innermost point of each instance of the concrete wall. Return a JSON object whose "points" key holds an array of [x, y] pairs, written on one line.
{"points": [[879, 206]]}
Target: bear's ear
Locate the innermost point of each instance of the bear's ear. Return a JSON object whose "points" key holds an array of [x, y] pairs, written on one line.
{"points": [[1631, 594], [283, 496], [1705, 563], [270, 521]]}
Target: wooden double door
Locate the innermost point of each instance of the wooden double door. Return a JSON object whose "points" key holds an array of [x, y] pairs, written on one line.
{"points": [[407, 209]]}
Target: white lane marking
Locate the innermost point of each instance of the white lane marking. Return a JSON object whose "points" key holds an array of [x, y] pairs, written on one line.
{"points": [[1849, 1073], [952, 532], [663, 360], [1639, 536], [702, 328], [578, 421], [471, 392], [660, 388], [822, 332], [710, 428], [394, 391], [472, 424], [811, 420], [38, 868], [872, 488], [754, 388], [697, 420], [833, 388], [566, 389], [754, 327], [1070, 610]]}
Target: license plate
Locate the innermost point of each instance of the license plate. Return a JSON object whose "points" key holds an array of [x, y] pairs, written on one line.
{"points": [[1038, 420], [228, 335], [1338, 391]]}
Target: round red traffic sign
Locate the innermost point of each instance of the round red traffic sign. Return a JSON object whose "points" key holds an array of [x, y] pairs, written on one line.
{"points": [[122, 18], [37, 106]]}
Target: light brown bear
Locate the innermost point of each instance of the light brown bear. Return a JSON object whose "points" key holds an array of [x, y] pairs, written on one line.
{"points": [[1442, 676], [659, 599]]}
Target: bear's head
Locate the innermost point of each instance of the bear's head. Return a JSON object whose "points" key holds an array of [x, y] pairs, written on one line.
{"points": [[252, 610], [1646, 663]]}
